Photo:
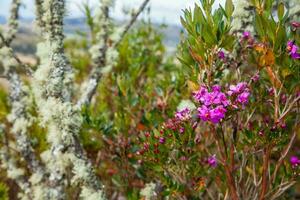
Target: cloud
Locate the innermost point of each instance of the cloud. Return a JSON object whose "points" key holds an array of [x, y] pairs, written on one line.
{"points": [[167, 11]]}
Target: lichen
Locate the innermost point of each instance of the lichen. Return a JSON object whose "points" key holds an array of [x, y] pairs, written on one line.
{"points": [[149, 191]]}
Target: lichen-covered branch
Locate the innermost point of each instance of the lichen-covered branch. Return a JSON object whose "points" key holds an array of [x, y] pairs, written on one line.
{"points": [[98, 52], [15, 173], [52, 82], [10, 53], [104, 55], [242, 16], [13, 20], [19, 116], [39, 13], [8, 162]]}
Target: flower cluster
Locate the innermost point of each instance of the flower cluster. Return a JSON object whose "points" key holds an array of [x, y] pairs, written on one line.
{"points": [[214, 104], [292, 48], [241, 94], [294, 160]]}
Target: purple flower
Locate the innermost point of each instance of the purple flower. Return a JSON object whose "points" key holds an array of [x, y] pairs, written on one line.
{"points": [[207, 99], [220, 98], [293, 50], [246, 35], [271, 91], [183, 115], [221, 55], [217, 114], [162, 140], [243, 98], [295, 24], [255, 78], [198, 95], [204, 113], [183, 158], [216, 88], [181, 130], [294, 161], [236, 89], [212, 161]]}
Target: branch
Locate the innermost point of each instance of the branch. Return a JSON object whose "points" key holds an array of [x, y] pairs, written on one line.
{"points": [[19, 116], [6, 43], [13, 171], [131, 22], [264, 187], [13, 20], [39, 13], [57, 113], [99, 58], [284, 153], [90, 86]]}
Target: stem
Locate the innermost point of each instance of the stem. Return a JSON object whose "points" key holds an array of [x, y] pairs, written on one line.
{"points": [[284, 153], [264, 186], [228, 168]]}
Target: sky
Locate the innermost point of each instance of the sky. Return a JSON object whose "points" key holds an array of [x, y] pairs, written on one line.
{"points": [[162, 11]]}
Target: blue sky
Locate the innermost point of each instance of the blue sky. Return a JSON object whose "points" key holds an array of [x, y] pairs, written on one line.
{"points": [[167, 11]]}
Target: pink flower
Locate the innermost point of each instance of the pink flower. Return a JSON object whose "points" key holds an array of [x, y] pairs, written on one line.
{"points": [[181, 130], [295, 24], [293, 50], [255, 78], [217, 114], [183, 115], [294, 161], [243, 98], [204, 113], [221, 55], [216, 88], [246, 35], [198, 95], [212, 161], [236, 89], [162, 140]]}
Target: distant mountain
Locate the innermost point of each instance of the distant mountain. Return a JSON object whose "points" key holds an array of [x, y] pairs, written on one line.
{"points": [[26, 35], [75, 21]]}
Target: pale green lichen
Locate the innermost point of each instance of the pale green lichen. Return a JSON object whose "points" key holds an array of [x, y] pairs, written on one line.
{"points": [[242, 16], [52, 94], [149, 191], [89, 194], [13, 20]]}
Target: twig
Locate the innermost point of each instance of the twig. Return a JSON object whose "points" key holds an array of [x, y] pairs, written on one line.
{"points": [[228, 169], [14, 56], [92, 83], [264, 186], [13, 21], [284, 153], [131, 22]]}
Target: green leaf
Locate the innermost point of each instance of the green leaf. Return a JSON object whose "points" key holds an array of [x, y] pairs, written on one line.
{"points": [[280, 11], [229, 8]]}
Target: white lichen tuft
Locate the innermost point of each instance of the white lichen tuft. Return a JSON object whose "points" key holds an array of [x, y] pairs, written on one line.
{"points": [[242, 16], [14, 172], [149, 191], [89, 194]]}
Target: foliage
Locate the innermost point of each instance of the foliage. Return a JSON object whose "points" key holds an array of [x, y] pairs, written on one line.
{"points": [[220, 123]]}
